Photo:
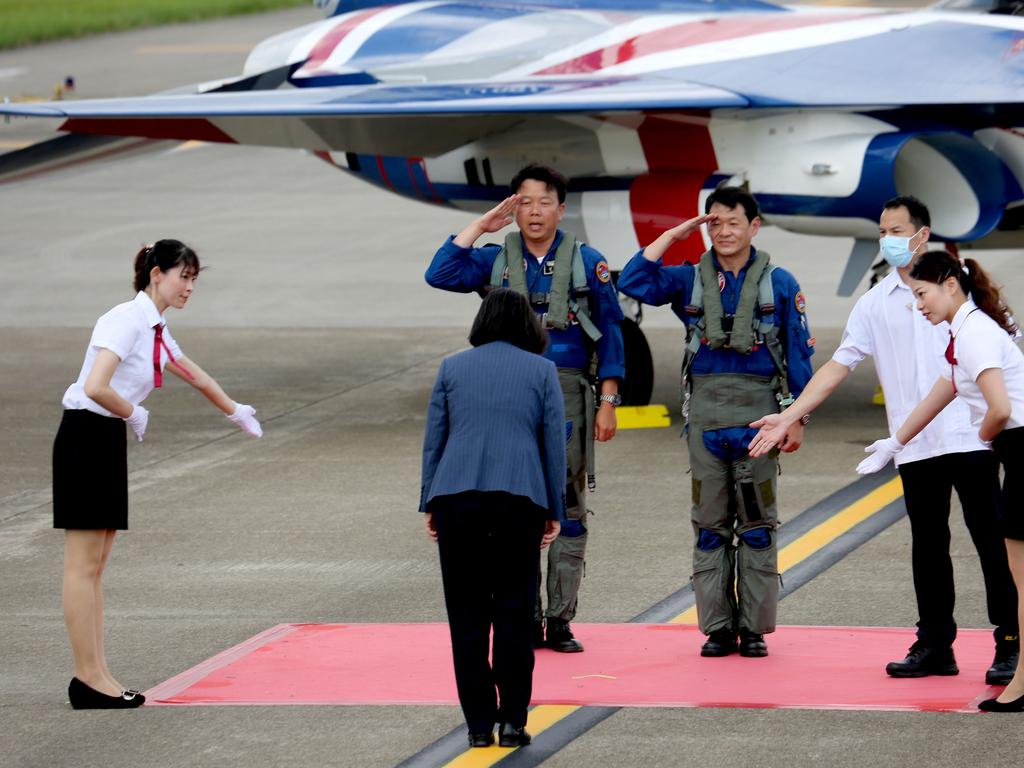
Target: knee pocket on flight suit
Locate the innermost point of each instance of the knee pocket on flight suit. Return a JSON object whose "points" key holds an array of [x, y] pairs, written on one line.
{"points": [[757, 577], [712, 581], [566, 569]]}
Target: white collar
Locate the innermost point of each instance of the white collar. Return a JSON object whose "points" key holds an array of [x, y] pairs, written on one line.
{"points": [[961, 316], [893, 282], [149, 310]]}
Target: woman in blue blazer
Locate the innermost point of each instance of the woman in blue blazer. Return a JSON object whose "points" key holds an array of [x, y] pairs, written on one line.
{"points": [[493, 497]]}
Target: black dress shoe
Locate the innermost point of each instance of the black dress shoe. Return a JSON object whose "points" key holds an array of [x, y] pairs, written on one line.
{"points": [[510, 736], [82, 696], [560, 637], [991, 705], [481, 739], [721, 642], [1004, 665], [922, 661], [752, 644]]}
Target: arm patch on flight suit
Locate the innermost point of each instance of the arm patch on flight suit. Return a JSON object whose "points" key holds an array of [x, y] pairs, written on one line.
{"points": [[800, 302], [602, 271]]}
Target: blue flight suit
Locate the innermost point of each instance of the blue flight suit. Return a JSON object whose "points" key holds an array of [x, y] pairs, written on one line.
{"points": [[734, 512], [469, 269]]}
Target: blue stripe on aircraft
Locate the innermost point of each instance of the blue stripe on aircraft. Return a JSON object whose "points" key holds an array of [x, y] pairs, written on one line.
{"points": [[635, 6], [428, 30]]}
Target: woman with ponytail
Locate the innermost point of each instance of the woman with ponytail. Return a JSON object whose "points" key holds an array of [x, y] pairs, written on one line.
{"points": [[986, 370], [124, 362]]}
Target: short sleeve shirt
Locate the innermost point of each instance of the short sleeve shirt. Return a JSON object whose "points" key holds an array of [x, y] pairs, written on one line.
{"points": [[979, 344], [127, 330], [908, 353]]}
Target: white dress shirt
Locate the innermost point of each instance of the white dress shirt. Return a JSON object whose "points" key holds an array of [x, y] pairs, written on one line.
{"points": [[909, 354], [127, 330], [979, 344]]}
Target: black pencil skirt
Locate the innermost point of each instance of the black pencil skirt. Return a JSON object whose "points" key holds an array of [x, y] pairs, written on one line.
{"points": [[90, 472], [1009, 448]]}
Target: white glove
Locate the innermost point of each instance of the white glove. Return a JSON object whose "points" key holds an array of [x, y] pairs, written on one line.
{"points": [[882, 452], [137, 420], [245, 417]]}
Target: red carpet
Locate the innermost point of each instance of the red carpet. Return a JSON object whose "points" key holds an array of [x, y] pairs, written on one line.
{"points": [[634, 665]]}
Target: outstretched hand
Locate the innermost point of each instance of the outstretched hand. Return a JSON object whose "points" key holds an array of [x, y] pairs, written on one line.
{"points": [[882, 452], [773, 431], [501, 215]]}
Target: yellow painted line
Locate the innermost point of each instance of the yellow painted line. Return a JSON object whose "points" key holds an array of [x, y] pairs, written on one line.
{"points": [[539, 720], [643, 417], [544, 716], [195, 48]]}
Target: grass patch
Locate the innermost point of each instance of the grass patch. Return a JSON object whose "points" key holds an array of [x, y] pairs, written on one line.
{"points": [[34, 21]]}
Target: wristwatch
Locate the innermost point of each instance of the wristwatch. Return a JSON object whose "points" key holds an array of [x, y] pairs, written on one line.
{"points": [[615, 400], [805, 418]]}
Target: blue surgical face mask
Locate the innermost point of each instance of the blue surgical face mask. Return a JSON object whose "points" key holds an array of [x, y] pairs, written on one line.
{"points": [[896, 250]]}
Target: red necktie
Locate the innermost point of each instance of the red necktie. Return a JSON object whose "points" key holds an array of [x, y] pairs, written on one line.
{"points": [[158, 340], [951, 359]]}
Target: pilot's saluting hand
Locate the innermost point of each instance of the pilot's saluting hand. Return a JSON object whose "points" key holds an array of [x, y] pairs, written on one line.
{"points": [[682, 231], [500, 216]]}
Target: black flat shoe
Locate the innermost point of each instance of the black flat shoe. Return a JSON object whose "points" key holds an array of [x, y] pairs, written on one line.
{"points": [[481, 739], [991, 705], [82, 696], [510, 736]]}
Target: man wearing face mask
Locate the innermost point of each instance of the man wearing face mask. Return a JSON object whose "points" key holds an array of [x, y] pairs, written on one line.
{"points": [[909, 355]]}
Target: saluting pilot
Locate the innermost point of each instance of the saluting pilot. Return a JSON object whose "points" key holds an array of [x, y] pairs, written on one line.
{"points": [[748, 351], [569, 285]]}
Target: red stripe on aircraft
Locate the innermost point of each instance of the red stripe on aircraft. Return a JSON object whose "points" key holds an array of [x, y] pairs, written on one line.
{"points": [[180, 129], [684, 36], [384, 173], [680, 158], [325, 46]]}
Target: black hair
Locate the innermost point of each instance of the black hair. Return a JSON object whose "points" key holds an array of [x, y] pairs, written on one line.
{"points": [[730, 197], [938, 266], [918, 211], [549, 176], [505, 315], [166, 254]]}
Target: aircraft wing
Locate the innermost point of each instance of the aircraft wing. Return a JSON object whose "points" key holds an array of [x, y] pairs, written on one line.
{"points": [[421, 120]]}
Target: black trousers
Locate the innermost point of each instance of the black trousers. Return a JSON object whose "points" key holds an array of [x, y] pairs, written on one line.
{"points": [[927, 490], [489, 544]]}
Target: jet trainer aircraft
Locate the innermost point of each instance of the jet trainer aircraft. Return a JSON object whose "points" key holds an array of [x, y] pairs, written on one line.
{"points": [[646, 105]]}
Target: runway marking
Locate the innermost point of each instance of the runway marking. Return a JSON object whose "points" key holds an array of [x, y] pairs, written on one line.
{"points": [[859, 512], [159, 50], [643, 417]]}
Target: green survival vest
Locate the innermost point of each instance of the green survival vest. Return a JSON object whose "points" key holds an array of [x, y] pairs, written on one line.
{"points": [[749, 327], [559, 300]]}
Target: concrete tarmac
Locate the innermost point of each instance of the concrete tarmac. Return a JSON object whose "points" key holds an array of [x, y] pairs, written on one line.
{"points": [[314, 310]]}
